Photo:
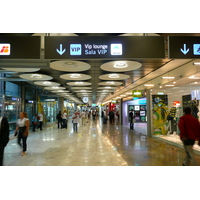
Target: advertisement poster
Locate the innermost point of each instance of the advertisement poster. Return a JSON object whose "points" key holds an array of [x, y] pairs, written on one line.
{"points": [[160, 110]]}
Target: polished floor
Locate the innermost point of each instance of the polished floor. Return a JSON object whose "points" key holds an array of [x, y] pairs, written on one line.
{"points": [[95, 144]]}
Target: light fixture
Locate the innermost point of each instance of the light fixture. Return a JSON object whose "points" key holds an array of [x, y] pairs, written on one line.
{"points": [[107, 87], [160, 93], [113, 76], [174, 82], [170, 77], [46, 83], [55, 87], [196, 63], [193, 77], [79, 83], [160, 87], [122, 95], [110, 82], [128, 93], [169, 85], [120, 65], [36, 76], [148, 85], [75, 75]]}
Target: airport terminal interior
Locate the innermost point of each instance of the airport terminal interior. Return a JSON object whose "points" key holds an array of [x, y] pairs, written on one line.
{"points": [[101, 77]]}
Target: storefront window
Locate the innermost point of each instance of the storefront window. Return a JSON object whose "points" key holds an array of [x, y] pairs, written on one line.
{"points": [[168, 108]]}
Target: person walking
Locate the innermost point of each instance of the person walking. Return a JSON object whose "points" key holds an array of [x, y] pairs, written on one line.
{"points": [[83, 116], [131, 118], [64, 119], [86, 116], [4, 136], [60, 121], [189, 132], [23, 128], [111, 117], [75, 118], [93, 114], [40, 120], [34, 122]]}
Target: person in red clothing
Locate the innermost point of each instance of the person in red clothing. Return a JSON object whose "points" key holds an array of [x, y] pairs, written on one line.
{"points": [[189, 133]]}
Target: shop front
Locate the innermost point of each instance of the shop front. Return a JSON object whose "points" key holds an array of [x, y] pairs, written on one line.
{"points": [[139, 109], [169, 107]]}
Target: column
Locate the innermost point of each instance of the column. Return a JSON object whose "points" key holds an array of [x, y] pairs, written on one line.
{"points": [[61, 104], [23, 97], [149, 115], [120, 112]]}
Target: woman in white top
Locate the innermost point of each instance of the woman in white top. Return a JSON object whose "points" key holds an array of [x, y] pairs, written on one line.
{"points": [[64, 118], [23, 127]]}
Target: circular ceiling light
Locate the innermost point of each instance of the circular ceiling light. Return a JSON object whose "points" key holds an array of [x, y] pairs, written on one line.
{"points": [[79, 77], [114, 77], [75, 76], [70, 66], [78, 83], [46, 83], [54, 88], [120, 66], [35, 77]]}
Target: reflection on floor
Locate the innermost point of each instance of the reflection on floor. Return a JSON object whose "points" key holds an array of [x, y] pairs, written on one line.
{"points": [[95, 144]]}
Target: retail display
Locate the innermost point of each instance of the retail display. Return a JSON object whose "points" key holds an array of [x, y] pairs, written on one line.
{"points": [[139, 112]]}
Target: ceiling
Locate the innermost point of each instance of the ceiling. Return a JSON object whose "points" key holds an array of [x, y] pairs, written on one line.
{"points": [[95, 71]]}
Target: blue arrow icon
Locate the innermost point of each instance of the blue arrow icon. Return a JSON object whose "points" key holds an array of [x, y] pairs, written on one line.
{"points": [[184, 50], [61, 51]]}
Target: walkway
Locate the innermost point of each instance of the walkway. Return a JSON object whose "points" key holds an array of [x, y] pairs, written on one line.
{"points": [[95, 144]]}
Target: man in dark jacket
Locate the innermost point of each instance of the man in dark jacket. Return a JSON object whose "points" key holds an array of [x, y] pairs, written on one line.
{"points": [[4, 136], [131, 117], [189, 133], [59, 118]]}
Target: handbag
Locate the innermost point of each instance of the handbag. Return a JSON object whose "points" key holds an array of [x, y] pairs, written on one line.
{"points": [[16, 133]]}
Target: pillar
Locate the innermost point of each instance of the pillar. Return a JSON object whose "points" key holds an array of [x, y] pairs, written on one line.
{"points": [[23, 96], [61, 104], [149, 115], [120, 112]]}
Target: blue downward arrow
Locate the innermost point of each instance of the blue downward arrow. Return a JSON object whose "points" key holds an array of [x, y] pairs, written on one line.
{"points": [[61, 51], [184, 51]]}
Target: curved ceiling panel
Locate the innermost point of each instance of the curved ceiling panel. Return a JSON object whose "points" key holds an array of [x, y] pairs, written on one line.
{"points": [[121, 66], [70, 66], [81, 88], [35, 77], [22, 69], [75, 77]]}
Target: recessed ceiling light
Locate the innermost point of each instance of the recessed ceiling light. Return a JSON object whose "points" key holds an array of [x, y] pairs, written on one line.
{"points": [[174, 82], [36, 76], [55, 87], [193, 77], [170, 77], [78, 82], [110, 82], [148, 85], [107, 87], [196, 63], [75, 75], [120, 65], [46, 83], [160, 87], [113, 76]]}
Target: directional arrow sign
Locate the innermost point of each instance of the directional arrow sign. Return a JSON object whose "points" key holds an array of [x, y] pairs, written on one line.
{"points": [[183, 47], [184, 50], [61, 51]]}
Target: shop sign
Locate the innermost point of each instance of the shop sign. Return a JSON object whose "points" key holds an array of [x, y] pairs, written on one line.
{"points": [[19, 47], [137, 93], [176, 103], [184, 47], [93, 105], [104, 47], [142, 102], [14, 99]]}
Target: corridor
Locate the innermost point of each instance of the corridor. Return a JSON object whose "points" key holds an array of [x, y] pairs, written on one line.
{"points": [[95, 144]]}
